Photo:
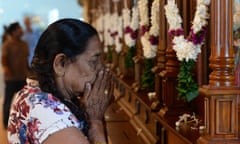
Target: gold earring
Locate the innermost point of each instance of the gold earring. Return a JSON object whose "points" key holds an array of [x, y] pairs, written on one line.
{"points": [[60, 74]]}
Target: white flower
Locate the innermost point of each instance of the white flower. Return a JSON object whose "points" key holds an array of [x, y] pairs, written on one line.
{"points": [[187, 49], [200, 17], [119, 26], [131, 22], [126, 17], [173, 17], [108, 40], [178, 40], [202, 11], [149, 50], [135, 18], [129, 41], [198, 23], [143, 12], [154, 30], [118, 45]]}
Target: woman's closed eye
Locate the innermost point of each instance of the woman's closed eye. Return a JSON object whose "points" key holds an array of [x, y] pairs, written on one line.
{"points": [[94, 64]]}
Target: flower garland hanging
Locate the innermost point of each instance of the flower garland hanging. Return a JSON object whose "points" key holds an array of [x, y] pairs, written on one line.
{"points": [[187, 49], [117, 31], [130, 24], [108, 38], [149, 40], [143, 14]]}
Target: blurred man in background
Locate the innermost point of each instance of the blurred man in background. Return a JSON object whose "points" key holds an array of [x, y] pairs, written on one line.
{"points": [[30, 36], [14, 65]]}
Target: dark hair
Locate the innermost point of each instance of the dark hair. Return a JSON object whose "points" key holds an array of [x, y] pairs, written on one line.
{"points": [[12, 27], [67, 36]]}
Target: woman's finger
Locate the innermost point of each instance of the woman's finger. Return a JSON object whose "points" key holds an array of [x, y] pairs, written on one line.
{"points": [[87, 91], [97, 83]]}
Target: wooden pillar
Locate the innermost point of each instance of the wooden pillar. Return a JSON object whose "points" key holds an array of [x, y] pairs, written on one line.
{"points": [[138, 63], [221, 94], [115, 55], [122, 68], [161, 52], [125, 72]]}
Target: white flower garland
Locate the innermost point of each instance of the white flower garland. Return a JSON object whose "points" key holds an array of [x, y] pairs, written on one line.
{"points": [[111, 32], [154, 30], [119, 36], [187, 49], [143, 12], [126, 17], [149, 39], [173, 17], [108, 25], [131, 23]]}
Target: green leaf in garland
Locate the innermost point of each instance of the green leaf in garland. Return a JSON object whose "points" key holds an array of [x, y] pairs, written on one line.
{"points": [[129, 58], [187, 87], [191, 95], [147, 79]]}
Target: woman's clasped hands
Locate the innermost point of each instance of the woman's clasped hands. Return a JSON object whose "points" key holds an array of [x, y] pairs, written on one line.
{"points": [[98, 96]]}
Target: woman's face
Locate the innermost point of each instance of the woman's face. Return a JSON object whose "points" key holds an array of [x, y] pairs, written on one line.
{"points": [[82, 70]]}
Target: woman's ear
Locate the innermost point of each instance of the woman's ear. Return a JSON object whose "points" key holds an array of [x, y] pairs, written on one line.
{"points": [[59, 64]]}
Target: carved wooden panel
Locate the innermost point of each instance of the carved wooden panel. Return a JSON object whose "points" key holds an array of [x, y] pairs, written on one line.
{"points": [[225, 115], [221, 120]]}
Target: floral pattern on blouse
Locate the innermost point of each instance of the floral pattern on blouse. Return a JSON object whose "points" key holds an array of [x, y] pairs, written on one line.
{"points": [[35, 115]]}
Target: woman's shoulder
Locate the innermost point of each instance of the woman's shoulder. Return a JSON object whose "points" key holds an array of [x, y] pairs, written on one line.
{"points": [[35, 101], [34, 96], [41, 110]]}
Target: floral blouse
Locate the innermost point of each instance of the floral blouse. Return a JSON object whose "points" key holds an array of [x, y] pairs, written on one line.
{"points": [[35, 115]]}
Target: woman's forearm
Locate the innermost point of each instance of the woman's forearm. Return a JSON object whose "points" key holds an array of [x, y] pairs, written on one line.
{"points": [[97, 132]]}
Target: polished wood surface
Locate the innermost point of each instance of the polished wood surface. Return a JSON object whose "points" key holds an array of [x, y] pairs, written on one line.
{"points": [[119, 128], [222, 55]]}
